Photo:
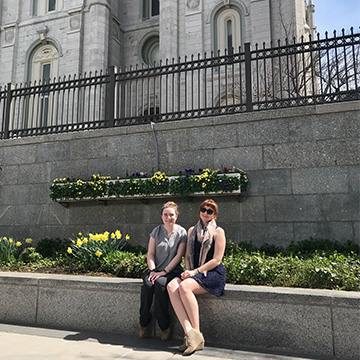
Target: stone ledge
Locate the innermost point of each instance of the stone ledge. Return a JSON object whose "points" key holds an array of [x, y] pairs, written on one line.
{"points": [[319, 323]]}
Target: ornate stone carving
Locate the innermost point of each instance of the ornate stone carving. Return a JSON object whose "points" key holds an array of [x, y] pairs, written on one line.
{"points": [[193, 4], [9, 35], [75, 22]]}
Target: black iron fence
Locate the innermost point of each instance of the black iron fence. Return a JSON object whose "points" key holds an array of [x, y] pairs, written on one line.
{"points": [[282, 75]]}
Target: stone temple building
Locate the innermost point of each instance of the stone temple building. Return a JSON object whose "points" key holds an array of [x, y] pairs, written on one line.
{"points": [[44, 39]]}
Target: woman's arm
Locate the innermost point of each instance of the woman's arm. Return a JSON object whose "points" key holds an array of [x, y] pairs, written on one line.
{"points": [[177, 258], [187, 252], [151, 254]]}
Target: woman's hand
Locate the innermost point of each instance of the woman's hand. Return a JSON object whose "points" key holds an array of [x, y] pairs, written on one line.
{"points": [[188, 273], [154, 275]]}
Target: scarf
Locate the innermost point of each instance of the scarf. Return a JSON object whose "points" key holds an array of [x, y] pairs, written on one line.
{"points": [[205, 235]]}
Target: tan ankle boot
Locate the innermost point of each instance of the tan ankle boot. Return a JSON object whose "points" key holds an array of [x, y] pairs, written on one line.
{"points": [[183, 346], [194, 341]]}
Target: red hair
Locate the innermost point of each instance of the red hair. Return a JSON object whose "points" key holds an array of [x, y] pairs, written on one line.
{"points": [[211, 204]]}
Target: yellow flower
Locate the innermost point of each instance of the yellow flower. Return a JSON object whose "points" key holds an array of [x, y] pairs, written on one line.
{"points": [[10, 240], [69, 250], [113, 236], [118, 234], [127, 237], [97, 237], [18, 243], [85, 240], [98, 253], [79, 242], [28, 240]]}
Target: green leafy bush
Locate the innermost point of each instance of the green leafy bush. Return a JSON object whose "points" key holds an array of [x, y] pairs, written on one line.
{"points": [[311, 263], [29, 255], [52, 248]]}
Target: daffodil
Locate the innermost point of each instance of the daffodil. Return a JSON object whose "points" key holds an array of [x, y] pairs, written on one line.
{"points": [[28, 240], [69, 250], [98, 253]]}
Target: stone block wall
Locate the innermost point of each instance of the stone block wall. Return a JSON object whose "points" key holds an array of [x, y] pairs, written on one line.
{"points": [[303, 166], [319, 324]]}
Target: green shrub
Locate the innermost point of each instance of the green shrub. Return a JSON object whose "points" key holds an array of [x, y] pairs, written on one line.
{"points": [[307, 264], [125, 264], [303, 248], [341, 272], [29, 255], [52, 248], [311, 246]]}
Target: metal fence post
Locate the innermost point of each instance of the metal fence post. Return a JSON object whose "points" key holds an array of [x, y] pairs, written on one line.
{"points": [[7, 111], [248, 78], [110, 95]]}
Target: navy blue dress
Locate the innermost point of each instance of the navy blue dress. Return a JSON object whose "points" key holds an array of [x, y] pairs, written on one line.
{"points": [[214, 281]]}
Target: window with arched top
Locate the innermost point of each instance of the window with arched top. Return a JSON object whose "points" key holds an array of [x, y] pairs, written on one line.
{"points": [[44, 63], [150, 50], [227, 30], [43, 68]]}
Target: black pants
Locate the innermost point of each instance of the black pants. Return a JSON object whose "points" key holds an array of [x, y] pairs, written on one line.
{"points": [[148, 290]]}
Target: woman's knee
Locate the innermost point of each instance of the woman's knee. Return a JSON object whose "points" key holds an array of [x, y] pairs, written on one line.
{"points": [[173, 285], [184, 287]]}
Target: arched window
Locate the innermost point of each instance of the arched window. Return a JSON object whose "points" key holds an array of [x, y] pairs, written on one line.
{"points": [[43, 69], [42, 7], [150, 8], [44, 63], [227, 30], [150, 50]]}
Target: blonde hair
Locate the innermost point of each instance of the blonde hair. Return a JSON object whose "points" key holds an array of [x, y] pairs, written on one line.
{"points": [[170, 204]]}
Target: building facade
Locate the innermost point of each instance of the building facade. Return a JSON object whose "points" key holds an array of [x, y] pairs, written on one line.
{"points": [[47, 39]]}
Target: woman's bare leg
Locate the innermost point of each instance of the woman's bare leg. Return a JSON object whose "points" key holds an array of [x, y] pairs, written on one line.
{"points": [[187, 291], [178, 306]]}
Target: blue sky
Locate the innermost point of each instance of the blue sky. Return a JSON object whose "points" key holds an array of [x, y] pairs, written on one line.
{"points": [[333, 15]]}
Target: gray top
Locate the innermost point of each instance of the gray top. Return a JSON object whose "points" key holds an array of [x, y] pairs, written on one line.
{"points": [[166, 249]]}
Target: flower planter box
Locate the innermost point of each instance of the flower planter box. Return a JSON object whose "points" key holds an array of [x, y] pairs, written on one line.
{"points": [[104, 199]]}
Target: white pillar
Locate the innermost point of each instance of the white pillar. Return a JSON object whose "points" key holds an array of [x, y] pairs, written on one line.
{"points": [[260, 22], [169, 42]]}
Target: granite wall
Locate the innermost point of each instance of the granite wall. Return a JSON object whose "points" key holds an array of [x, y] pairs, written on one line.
{"points": [[321, 324], [303, 166]]}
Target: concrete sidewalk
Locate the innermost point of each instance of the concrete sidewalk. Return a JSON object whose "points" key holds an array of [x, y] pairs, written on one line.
{"points": [[31, 343]]}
